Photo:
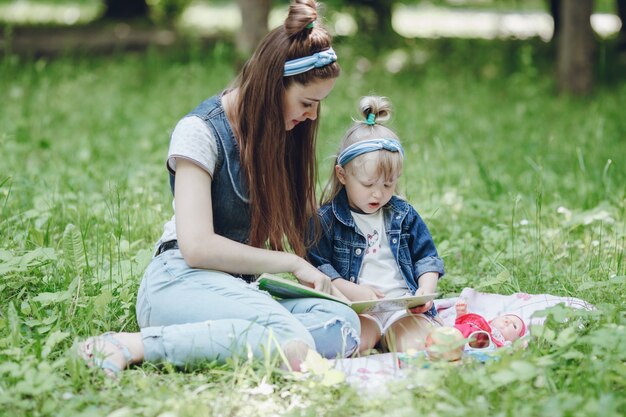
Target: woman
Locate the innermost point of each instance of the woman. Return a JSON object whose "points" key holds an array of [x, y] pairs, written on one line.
{"points": [[242, 168]]}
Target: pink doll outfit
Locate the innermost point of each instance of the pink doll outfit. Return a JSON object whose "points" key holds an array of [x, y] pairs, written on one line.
{"points": [[470, 323]]}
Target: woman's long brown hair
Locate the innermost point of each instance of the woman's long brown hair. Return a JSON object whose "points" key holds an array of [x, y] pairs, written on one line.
{"points": [[280, 166]]}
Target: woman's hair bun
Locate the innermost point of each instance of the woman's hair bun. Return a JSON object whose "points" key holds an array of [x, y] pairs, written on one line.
{"points": [[301, 14], [380, 107]]}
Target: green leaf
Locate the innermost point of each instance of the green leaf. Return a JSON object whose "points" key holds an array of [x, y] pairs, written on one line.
{"points": [[518, 371], [73, 248], [47, 298], [566, 337], [52, 341], [621, 280], [502, 277]]}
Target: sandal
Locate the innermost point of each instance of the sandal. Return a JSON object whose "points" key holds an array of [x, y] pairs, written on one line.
{"points": [[94, 356]]}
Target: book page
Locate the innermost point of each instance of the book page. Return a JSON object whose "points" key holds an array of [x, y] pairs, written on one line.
{"points": [[391, 304], [285, 288]]}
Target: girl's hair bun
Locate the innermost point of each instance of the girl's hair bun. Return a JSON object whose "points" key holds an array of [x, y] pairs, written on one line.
{"points": [[380, 107], [301, 14]]}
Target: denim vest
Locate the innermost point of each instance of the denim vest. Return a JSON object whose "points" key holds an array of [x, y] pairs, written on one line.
{"points": [[229, 189], [339, 252]]}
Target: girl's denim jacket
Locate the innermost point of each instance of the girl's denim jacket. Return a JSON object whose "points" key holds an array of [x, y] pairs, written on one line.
{"points": [[339, 251]]}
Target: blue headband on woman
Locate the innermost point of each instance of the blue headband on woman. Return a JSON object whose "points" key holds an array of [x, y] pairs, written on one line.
{"points": [[365, 146], [304, 64]]}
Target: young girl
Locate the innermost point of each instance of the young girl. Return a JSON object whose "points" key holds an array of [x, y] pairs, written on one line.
{"points": [[372, 243], [243, 175]]}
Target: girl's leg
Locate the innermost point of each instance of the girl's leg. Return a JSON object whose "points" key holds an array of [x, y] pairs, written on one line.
{"points": [[370, 333], [409, 332], [193, 314], [334, 326]]}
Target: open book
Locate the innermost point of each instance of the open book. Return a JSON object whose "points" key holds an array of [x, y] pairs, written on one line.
{"points": [[284, 288]]}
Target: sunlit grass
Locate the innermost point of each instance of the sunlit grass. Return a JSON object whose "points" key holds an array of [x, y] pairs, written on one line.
{"points": [[522, 189]]}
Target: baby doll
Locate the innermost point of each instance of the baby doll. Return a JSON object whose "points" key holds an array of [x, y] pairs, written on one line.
{"points": [[502, 330], [479, 333]]}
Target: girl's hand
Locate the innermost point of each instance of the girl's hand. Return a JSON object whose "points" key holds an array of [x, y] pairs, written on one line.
{"points": [[425, 307], [358, 292], [370, 293]]}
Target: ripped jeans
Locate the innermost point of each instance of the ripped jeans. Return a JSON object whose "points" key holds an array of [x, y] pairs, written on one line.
{"points": [[189, 315]]}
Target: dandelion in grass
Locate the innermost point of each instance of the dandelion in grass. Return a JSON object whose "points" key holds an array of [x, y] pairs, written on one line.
{"points": [[317, 366], [565, 212], [262, 389]]}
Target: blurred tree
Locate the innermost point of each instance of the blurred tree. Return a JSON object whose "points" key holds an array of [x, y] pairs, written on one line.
{"points": [[254, 18], [125, 9], [373, 19], [621, 12], [157, 11], [555, 6], [575, 47]]}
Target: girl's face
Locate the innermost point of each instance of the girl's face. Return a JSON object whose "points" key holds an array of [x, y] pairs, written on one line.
{"points": [[302, 101], [510, 326], [367, 189]]}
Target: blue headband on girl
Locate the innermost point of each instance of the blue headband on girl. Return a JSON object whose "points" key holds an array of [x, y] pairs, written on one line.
{"points": [[365, 146], [304, 64]]}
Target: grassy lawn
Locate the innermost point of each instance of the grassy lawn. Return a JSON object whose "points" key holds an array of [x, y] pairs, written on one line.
{"points": [[523, 190]]}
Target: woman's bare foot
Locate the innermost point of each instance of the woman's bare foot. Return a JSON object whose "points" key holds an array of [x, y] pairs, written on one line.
{"points": [[112, 352]]}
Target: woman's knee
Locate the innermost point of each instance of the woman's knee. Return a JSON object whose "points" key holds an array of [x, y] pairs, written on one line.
{"points": [[338, 330]]}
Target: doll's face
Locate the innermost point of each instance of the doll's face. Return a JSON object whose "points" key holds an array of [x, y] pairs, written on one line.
{"points": [[509, 325]]}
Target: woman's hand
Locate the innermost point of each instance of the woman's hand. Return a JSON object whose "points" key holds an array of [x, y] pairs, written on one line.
{"points": [[310, 276], [337, 293]]}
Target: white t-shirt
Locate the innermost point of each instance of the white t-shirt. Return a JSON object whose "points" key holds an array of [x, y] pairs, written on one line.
{"points": [[379, 268], [192, 140]]}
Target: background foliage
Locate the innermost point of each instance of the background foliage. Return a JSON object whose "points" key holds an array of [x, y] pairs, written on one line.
{"points": [[522, 189]]}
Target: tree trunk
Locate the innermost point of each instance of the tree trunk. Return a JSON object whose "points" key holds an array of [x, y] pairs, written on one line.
{"points": [[125, 9], [555, 8], [254, 17], [621, 37], [374, 21], [575, 47], [383, 12]]}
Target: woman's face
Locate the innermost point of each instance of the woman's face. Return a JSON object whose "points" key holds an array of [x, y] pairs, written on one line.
{"points": [[302, 101]]}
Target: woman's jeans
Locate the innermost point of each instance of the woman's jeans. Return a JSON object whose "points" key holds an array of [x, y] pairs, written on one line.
{"points": [[190, 315]]}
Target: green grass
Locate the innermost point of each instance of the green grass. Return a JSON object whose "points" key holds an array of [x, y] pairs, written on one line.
{"points": [[523, 190]]}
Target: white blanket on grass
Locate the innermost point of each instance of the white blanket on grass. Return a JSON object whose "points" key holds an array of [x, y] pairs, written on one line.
{"points": [[371, 373], [491, 305]]}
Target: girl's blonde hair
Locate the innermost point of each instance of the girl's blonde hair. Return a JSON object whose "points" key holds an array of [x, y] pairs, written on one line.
{"points": [[389, 164], [280, 166]]}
